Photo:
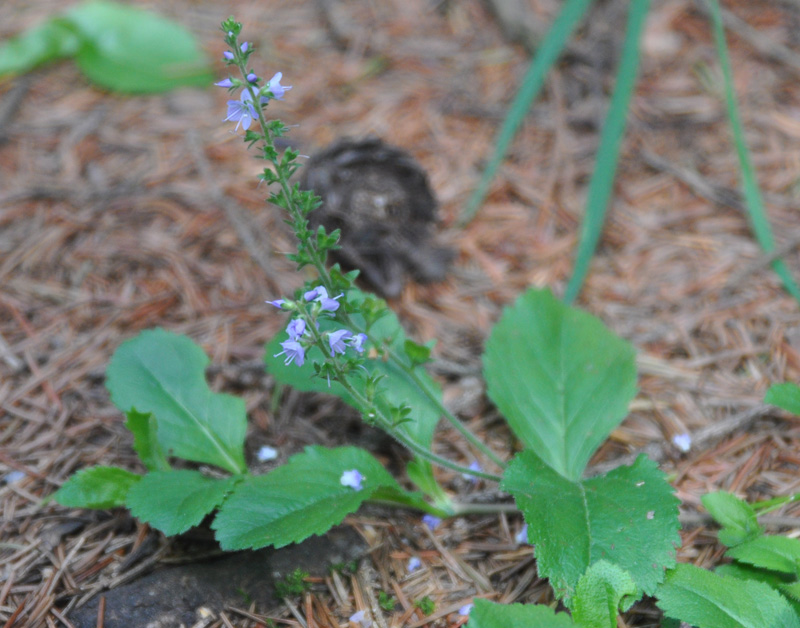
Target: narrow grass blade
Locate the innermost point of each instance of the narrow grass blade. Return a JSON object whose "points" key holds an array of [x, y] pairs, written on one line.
{"points": [[602, 183], [547, 54], [752, 193]]}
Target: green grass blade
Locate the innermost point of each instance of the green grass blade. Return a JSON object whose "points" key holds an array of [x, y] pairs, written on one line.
{"points": [[602, 183], [752, 193], [547, 54]]}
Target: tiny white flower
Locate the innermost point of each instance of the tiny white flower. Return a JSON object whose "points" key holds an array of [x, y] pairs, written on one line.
{"points": [[361, 619], [266, 453], [682, 441], [353, 479]]}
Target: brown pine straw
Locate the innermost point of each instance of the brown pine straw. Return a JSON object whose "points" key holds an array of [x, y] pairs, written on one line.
{"points": [[119, 214]]}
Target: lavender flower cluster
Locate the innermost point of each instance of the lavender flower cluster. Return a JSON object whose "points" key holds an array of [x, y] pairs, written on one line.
{"points": [[300, 340]]}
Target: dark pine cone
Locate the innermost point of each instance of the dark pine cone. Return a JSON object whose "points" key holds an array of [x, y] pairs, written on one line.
{"points": [[381, 200]]}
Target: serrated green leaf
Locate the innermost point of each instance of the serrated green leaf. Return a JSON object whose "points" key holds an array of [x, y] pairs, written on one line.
{"points": [[144, 428], [174, 501], [560, 377], [163, 373], [736, 516], [599, 594], [117, 46], [97, 487], [303, 497], [789, 587], [778, 553], [628, 516], [786, 396], [706, 600], [397, 388], [488, 614]]}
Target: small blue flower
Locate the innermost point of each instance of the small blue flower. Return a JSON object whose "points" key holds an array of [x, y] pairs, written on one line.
{"points": [[224, 83], [361, 619], [357, 342], [431, 521], [336, 341], [276, 88], [353, 479], [682, 441], [266, 453], [465, 610], [522, 536], [252, 78], [294, 352], [296, 328], [320, 294], [473, 466], [278, 303], [244, 46], [414, 563], [228, 55], [242, 111]]}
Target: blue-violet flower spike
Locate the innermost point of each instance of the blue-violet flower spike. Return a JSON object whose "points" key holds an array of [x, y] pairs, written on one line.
{"points": [[276, 88], [336, 340], [353, 479], [357, 342], [296, 328], [294, 352]]}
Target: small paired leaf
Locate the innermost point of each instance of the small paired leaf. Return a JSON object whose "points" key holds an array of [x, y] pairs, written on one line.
{"points": [[163, 373], [560, 377], [778, 553], [145, 441], [97, 487], [786, 396], [303, 497], [600, 594], [736, 516], [417, 353], [628, 516], [486, 614], [706, 600], [174, 501]]}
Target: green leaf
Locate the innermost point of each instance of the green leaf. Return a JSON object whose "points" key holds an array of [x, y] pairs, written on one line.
{"points": [[628, 516], [706, 600], [145, 441], [737, 517], [417, 353], [560, 377], [781, 582], [97, 487], [54, 39], [786, 396], [778, 553], [162, 373], [303, 497], [600, 593], [174, 501], [601, 184], [488, 614], [117, 46]]}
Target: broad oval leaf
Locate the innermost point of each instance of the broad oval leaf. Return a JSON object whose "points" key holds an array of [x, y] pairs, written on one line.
{"points": [[486, 614], [560, 377], [786, 396], [628, 516], [736, 516], [163, 373], [97, 487], [303, 497], [706, 600], [174, 501]]}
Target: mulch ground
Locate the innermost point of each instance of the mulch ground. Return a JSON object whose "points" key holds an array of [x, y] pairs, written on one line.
{"points": [[119, 214]]}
